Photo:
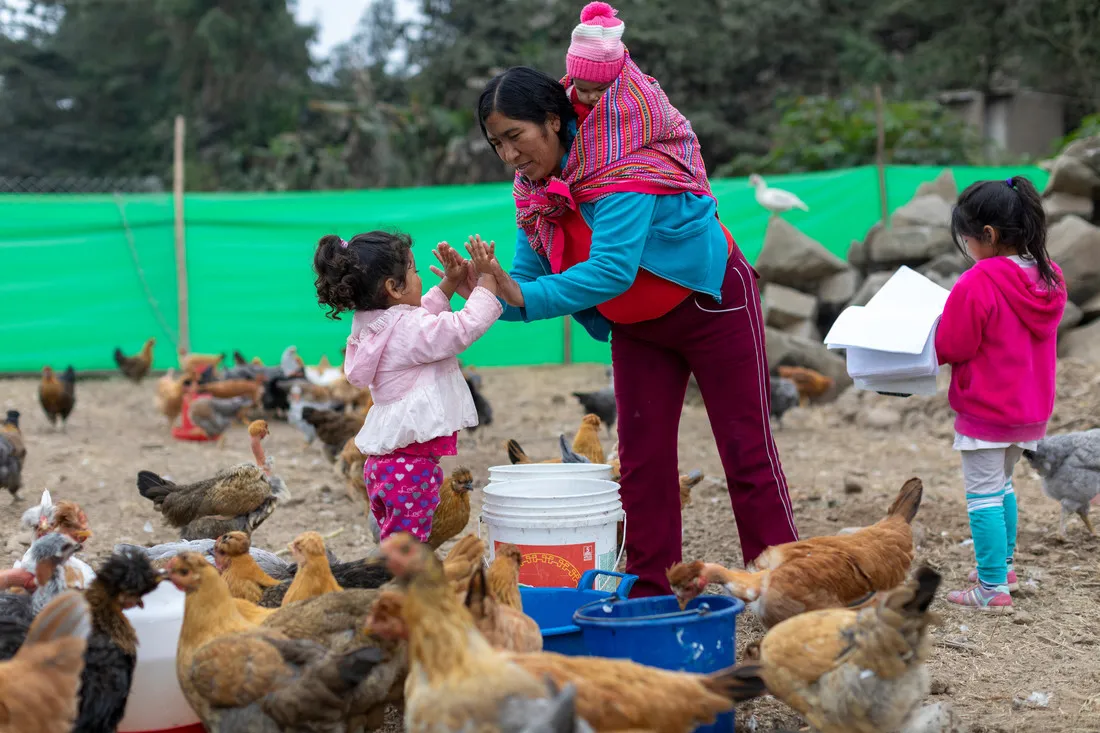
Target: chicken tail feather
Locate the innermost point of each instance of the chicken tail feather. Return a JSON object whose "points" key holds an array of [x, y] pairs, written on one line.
{"points": [[908, 500], [737, 684], [66, 615], [516, 453], [153, 487], [927, 582]]}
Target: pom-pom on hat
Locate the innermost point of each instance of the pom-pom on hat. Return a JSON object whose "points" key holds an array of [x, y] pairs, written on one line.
{"points": [[596, 49]]}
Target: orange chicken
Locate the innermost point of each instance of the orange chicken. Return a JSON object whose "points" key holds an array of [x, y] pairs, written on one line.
{"points": [[586, 442], [239, 569], [236, 676], [453, 511], [39, 685], [612, 694], [351, 464], [503, 576], [848, 671], [57, 396], [505, 627], [199, 363], [227, 388], [169, 396], [822, 572], [456, 679], [137, 366], [462, 561], [314, 576], [810, 384]]}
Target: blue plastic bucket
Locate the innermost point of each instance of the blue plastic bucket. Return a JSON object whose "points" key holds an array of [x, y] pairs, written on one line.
{"points": [[553, 609], [654, 631]]}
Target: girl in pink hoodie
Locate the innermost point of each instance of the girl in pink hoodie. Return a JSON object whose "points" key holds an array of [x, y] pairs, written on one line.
{"points": [[999, 334], [403, 346]]}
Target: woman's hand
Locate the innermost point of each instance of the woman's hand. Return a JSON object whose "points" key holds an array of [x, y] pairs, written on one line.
{"points": [[458, 275], [486, 263]]}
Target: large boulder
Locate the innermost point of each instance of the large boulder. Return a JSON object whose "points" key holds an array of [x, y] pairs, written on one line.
{"points": [[1059, 205], [943, 186], [785, 349], [785, 307], [871, 285], [791, 258], [839, 289], [1081, 343], [1071, 318], [930, 211], [1075, 245], [907, 245], [947, 265], [1076, 170]]}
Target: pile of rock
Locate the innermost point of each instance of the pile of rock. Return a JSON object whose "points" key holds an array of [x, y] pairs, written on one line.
{"points": [[1072, 202]]}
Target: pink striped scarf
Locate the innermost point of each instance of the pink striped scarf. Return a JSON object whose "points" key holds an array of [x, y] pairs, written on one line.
{"points": [[634, 140]]}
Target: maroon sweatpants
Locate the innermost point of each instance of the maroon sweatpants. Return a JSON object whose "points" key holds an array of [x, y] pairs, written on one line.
{"points": [[723, 345]]}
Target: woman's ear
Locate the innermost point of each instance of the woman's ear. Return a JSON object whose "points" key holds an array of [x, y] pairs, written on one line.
{"points": [[554, 122]]}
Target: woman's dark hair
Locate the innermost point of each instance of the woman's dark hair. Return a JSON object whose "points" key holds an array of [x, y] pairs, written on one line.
{"points": [[353, 277], [1014, 209], [522, 93]]}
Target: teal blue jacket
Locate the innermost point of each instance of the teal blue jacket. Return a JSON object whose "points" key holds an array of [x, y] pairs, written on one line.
{"points": [[675, 236]]}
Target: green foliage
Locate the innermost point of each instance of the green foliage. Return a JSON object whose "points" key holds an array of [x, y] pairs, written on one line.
{"points": [[820, 133], [1089, 127]]}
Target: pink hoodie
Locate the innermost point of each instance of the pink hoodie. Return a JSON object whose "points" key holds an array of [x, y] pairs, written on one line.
{"points": [[999, 333], [406, 355]]}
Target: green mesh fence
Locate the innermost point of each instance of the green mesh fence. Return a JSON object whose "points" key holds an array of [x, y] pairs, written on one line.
{"points": [[82, 274]]}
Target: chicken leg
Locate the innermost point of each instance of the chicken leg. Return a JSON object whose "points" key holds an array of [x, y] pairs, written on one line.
{"points": [[1062, 523], [1084, 514]]}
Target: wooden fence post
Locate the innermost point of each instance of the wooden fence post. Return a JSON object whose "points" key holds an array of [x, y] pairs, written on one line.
{"points": [[181, 244], [567, 340]]}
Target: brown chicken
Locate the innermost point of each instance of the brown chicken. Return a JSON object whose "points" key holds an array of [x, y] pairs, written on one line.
{"points": [[240, 679], [39, 685], [227, 388], [57, 396], [810, 384], [503, 576], [137, 366], [13, 453], [462, 562], [505, 627], [687, 483], [613, 695], [822, 572], [199, 363], [239, 569], [586, 442], [169, 396], [333, 428], [252, 613], [456, 680], [314, 576], [848, 671], [453, 512], [235, 491], [351, 464], [359, 399]]}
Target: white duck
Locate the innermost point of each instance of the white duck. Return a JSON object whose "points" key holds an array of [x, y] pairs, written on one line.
{"points": [[775, 200]]}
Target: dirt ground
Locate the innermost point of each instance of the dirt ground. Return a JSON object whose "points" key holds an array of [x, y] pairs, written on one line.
{"points": [[987, 666]]}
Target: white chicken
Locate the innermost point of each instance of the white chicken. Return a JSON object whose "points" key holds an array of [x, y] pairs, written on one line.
{"points": [[37, 520], [775, 200], [324, 373]]}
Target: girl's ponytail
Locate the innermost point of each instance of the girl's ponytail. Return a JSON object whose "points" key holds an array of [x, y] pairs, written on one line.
{"points": [[1033, 225]]}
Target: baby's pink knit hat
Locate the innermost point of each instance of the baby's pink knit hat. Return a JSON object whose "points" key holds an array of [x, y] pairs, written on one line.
{"points": [[596, 50]]}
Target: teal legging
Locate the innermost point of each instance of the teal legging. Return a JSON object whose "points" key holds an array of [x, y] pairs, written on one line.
{"points": [[991, 505]]}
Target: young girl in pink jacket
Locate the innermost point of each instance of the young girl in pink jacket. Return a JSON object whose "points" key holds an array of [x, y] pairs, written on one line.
{"points": [[403, 346], [999, 334]]}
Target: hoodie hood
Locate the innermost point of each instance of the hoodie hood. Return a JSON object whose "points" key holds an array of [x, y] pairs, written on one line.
{"points": [[1039, 308], [371, 332]]}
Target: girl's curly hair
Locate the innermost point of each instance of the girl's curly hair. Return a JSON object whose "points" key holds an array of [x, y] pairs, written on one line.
{"points": [[353, 278]]}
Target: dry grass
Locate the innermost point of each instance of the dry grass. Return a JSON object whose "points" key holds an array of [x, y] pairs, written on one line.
{"points": [[982, 664]]}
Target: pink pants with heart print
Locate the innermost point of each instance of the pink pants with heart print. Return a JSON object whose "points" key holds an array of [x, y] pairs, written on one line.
{"points": [[404, 492]]}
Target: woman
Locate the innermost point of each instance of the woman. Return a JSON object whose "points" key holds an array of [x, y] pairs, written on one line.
{"points": [[618, 228]]}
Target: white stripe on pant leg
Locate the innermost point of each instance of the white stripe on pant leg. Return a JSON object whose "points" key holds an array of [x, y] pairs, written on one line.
{"points": [[762, 369]]}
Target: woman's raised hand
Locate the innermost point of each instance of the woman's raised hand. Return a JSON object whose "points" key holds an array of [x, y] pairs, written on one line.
{"points": [[455, 268]]}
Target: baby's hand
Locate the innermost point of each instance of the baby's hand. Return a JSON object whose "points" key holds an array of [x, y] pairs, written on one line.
{"points": [[454, 265], [488, 281]]}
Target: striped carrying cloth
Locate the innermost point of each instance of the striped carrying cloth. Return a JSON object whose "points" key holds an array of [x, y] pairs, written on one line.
{"points": [[634, 140]]}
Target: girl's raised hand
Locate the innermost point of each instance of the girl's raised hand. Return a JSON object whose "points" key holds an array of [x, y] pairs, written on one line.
{"points": [[455, 269]]}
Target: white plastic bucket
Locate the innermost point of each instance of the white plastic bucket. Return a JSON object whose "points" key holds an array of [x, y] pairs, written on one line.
{"points": [[562, 525], [156, 702], [524, 471]]}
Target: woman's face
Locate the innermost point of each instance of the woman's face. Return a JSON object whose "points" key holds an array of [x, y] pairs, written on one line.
{"points": [[532, 149]]}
